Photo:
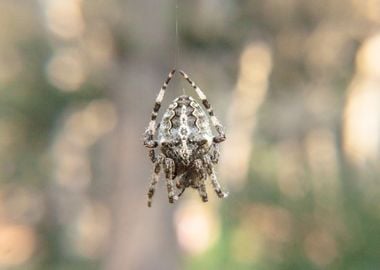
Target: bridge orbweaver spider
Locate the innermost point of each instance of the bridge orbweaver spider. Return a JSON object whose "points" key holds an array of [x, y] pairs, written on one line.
{"points": [[188, 150]]}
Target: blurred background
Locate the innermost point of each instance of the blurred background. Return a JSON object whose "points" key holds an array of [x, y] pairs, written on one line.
{"points": [[296, 83]]}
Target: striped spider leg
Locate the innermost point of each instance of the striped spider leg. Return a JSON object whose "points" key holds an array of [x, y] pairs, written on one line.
{"points": [[149, 133], [151, 143], [213, 159], [215, 122]]}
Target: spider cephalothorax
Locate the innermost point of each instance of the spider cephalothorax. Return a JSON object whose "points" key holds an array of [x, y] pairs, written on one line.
{"points": [[188, 149]]}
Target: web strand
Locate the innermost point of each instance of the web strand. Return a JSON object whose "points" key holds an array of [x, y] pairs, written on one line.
{"points": [[177, 46], [176, 64]]}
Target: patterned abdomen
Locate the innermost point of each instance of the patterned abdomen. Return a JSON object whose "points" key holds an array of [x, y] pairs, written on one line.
{"points": [[184, 119]]}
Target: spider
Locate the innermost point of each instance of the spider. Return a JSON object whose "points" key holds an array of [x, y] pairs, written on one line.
{"points": [[188, 149]]}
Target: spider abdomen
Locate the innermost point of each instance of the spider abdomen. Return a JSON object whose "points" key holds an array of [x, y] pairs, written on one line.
{"points": [[184, 118], [185, 132]]}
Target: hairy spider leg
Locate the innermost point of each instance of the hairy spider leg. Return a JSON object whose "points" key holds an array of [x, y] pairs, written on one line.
{"points": [[169, 166], [201, 187], [214, 153], [215, 122], [151, 130], [216, 185], [214, 180], [154, 181], [202, 191], [198, 163], [152, 155]]}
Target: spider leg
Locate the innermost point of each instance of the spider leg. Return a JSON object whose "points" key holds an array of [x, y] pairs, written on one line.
{"points": [[182, 191], [152, 155], [182, 183], [154, 181], [214, 153], [202, 191], [198, 163], [214, 180], [149, 142], [169, 167], [201, 173], [215, 122]]}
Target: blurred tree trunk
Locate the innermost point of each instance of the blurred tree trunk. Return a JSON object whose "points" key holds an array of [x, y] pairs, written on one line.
{"points": [[141, 238]]}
